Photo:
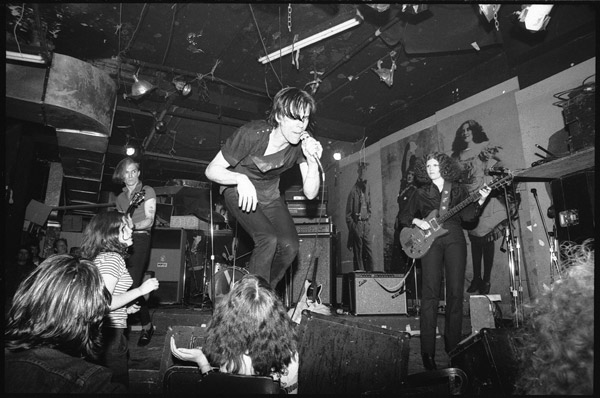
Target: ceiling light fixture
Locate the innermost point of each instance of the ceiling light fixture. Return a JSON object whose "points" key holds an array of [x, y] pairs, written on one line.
{"points": [[337, 155], [185, 88], [535, 17], [356, 20], [32, 58], [140, 88]]}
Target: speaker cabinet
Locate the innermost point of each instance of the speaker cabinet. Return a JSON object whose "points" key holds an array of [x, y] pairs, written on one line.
{"points": [[167, 261], [322, 247], [573, 198], [489, 360]]}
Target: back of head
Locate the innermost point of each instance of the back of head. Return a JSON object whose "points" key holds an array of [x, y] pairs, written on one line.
{"points": [[557, 357], [251, 318], [102, 235], [60, 305]]}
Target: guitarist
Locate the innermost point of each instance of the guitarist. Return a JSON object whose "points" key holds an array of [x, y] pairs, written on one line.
{"points": [[128, 172], [448, 253]]}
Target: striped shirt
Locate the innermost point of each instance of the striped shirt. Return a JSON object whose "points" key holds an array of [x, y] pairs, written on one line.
{"points": [[113, 264]]}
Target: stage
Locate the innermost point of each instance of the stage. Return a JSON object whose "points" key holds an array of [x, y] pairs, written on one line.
{"points": [[145, 362]]}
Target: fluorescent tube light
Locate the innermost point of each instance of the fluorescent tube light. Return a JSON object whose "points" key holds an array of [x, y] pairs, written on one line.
{"points": [[313, 39], [15, 56]]}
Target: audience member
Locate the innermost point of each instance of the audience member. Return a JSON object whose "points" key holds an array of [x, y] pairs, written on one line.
{"points": [[19, 271], [105, 240], [75, 251], [251, 334], [53, 327], [34, 251], [61, 246], [557, 354]]}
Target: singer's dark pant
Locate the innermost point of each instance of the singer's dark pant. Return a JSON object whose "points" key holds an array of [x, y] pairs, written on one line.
{"points": [[447, 254], [274, 234]]}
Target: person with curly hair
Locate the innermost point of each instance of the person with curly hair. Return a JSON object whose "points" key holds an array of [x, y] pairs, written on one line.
{"points": [[250, 333], [53, 330], [557, 337], [475, 155], [248, 168], [448, 253], [105, 241]]}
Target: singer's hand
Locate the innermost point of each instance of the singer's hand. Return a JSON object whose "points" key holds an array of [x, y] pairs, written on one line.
{"points": [[247, 199], [311, 148]]}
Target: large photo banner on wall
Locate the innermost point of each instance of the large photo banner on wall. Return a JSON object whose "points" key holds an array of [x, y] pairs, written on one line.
{"points": [[360, 215], [397, 174], [486, 140]]}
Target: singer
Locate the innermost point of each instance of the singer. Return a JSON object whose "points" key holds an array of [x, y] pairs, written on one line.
{"points": [[248, 168]]}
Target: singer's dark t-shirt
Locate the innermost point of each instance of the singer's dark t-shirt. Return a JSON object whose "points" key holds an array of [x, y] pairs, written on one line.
{"points": [[244, 151]]}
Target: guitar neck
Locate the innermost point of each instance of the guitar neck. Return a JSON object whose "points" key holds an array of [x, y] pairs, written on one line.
{"points": [[473, 197]]}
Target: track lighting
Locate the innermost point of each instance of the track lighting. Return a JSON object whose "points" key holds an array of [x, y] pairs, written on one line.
{"points": [[140, 88], [185, 88]]}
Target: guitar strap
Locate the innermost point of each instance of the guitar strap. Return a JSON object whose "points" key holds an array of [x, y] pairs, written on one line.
{"points": [[445, 202]]}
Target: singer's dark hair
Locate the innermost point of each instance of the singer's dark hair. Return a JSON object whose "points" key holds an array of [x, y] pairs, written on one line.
{"points": [[289, 102]]}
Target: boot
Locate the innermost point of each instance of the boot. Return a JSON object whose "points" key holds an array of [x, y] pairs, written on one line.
{"points": [[428, 361], [476, 284], [485, 288]]}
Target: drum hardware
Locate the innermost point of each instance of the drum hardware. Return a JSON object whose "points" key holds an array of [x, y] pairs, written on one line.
{"points": [[552, 241], [514, 261]]}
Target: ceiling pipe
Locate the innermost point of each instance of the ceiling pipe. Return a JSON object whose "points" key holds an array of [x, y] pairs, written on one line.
{"points": [[359, 47], [181, 115], [216, 80], [81, 207]]}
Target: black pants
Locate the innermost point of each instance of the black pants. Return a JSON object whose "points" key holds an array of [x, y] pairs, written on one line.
{"points": [[273, 231], [137, 263], [447, 254]]}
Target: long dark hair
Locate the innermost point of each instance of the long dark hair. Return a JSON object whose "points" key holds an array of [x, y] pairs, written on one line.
{"points": [[449, 168], [251, 318], [102, 235], [60, 305], [289, 102], [479, 136]]}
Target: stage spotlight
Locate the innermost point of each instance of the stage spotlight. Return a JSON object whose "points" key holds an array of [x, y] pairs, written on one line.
{"points": [[130, 150], [337, 155], [182, 86], [535, 17], [140, 88]]}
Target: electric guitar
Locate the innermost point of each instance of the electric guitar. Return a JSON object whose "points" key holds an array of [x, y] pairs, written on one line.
{"points": [[416, 242], [137, 198], [313, 291]]}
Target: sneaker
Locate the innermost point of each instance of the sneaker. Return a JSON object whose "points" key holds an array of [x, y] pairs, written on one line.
{"points": [[146, 336], [476, 284]]}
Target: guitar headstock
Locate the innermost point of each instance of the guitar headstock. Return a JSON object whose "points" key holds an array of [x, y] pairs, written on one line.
{"points": [[137, 198], [500, 181]]}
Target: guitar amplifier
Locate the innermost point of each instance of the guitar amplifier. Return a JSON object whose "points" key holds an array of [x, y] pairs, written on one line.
{"points": [[295, 193], [377, 293], [307, 229], [310, 208]]}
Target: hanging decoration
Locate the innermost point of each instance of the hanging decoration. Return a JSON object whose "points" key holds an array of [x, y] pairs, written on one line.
{"points": [[386, 75]]}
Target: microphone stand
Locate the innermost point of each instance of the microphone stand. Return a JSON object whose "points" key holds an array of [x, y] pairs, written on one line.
{"points": [[514, 264], [552, 241]]}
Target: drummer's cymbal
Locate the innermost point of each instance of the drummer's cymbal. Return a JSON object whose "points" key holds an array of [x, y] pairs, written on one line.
{"points": [[204, 215]]}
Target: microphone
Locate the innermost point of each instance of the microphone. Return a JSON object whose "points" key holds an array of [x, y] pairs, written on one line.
{"points": [[303, 137], [497, 171]]}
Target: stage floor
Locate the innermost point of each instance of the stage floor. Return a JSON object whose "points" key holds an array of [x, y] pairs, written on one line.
{"points": [[145, 362]]}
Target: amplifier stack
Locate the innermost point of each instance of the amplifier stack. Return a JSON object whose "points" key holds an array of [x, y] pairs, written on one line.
{"points": [[300, 206]]}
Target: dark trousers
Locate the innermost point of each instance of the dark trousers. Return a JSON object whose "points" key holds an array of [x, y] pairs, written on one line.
{"points": [[447, 254], [137, 263], [480, 248], [272, 229], [115, 354], [361, 247]]}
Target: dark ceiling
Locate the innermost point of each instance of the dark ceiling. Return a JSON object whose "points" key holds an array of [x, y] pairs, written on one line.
{"points": [[442, 53]]}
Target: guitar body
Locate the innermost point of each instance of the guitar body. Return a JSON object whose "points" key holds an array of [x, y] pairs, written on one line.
{"points": [[415, 242], [314, 293]]}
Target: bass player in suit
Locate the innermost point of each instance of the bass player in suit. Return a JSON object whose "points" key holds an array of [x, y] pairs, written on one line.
{"points": [[447, 253]]}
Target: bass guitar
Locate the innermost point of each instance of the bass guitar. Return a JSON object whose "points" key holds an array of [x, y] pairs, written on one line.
{"points": [[137, 198], [416, 242], [313, 290]]}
